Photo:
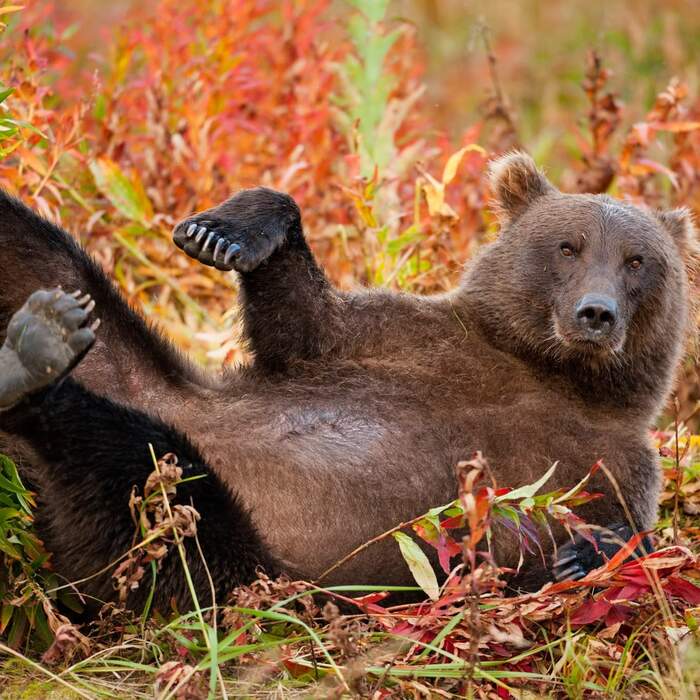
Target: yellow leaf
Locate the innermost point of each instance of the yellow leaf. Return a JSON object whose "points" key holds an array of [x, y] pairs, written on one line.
{"points": [[33, 161], [675, 127], [126, 193], [419, 565], [10, 8], [455, 159], [435, 197], [366, 214]]}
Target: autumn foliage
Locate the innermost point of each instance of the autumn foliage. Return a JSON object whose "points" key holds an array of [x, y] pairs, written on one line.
{"points": [[119, 131]]}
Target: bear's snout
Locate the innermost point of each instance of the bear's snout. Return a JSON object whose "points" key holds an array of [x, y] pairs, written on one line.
{"points": [[596, 315]]}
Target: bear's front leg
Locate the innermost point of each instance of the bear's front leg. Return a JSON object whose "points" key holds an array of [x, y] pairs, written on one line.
{"points": [[290, 310], [243, 232], [578, 557]]}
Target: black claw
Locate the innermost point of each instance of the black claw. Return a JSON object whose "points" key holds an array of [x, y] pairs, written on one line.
{"points": [[217, 248], [230, 252], [208, 241], [573, 573], [243, 232], [579, 557], [565, 560]]}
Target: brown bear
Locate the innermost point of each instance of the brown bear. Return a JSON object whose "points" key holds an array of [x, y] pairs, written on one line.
{"points": [[559, 345]]}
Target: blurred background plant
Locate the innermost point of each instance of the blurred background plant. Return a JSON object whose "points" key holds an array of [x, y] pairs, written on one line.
{"points": [[118, 119]]}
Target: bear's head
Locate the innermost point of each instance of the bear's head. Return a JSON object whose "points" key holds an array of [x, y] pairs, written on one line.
{"points": [[584, 283]]}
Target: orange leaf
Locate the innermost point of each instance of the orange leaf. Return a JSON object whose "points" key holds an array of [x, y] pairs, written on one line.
{"points": [[675, 127]]}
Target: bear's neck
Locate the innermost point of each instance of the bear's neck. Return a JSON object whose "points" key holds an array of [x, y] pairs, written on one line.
{"points": [[640, 381]]}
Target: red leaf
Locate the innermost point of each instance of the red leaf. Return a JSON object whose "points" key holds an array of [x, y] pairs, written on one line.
{"points": [[406, 629], [447, 548], [596, 467], [591, 611], [453, 522], [617, 613], [367, 603], [296, 670], [630, 591], [624, 552], [634, 574], [681, 588]]}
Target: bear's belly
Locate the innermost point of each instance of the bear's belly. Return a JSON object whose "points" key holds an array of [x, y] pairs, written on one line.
{"points": [[321, 477], [324, 469]]}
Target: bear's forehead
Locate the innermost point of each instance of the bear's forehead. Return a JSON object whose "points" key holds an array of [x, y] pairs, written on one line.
{"points": [[591, 216]]}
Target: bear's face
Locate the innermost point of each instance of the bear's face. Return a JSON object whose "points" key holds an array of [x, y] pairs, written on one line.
{"points": [[583, 281], [589, 267]]}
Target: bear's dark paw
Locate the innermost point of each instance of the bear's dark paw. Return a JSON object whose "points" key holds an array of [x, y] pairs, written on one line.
{"points": [[45, 339], [218, 244], [575, 559], [241, 233]]}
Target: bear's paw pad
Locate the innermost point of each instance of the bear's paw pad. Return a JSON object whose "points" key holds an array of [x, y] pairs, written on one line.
{"points": [[45, 338], [227, 245]]}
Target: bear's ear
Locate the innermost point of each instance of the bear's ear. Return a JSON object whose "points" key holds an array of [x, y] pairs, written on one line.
{"points": [[516, 182], [679, 223]]}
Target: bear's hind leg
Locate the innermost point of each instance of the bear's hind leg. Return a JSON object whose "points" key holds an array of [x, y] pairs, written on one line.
{"points": [[45, 339], [94, 452], [129, 355]]}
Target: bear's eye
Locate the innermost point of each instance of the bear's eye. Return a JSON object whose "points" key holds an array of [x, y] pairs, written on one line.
{"points": [[567, 250], [635, 263]]}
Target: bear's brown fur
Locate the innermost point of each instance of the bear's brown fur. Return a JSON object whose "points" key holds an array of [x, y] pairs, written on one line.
{"points": [[358, 405]]}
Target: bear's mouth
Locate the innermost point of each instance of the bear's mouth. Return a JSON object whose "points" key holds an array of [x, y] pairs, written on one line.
{"points": [[590, 344]]}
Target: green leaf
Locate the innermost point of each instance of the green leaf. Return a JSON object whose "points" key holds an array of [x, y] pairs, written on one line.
{"points": [[374, 10], [6, 616], [11, 552], [41, 625], [100, 108], [126, 194], [418, 564], [529, 490], [409, 237], [17, 629]]}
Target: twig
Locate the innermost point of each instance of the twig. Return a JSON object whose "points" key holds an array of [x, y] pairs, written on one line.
{"points": [[364, 546], [497, 107], [188, 577], [677, 481]]}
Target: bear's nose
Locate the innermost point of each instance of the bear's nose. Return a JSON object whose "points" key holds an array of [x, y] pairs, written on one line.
{"points": [[596, 314]]}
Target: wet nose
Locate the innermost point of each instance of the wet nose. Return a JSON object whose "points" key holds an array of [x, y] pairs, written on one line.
{"points": [[596, 314]]}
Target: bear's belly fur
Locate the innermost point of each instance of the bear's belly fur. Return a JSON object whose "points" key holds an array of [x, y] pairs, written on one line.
{"points": [[372, 451]]}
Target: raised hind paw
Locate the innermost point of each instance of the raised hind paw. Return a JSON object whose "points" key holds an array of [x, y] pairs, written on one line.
{"points": [[45, 339], [575, 559], [241, 233]]}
